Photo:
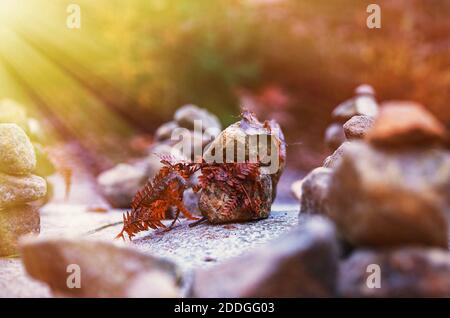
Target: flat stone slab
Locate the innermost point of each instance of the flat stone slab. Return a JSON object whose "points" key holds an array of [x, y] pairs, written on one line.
{"points": [[191, 247]]}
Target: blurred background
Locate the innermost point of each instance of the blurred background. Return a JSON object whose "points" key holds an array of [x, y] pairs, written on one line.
{"points": [[107, 86]]}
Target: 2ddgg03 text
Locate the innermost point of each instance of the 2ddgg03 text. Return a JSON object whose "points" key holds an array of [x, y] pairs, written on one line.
{"points": [[246, 307]]}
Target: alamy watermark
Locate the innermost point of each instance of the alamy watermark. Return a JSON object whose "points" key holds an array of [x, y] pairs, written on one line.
{"points": [[73, 20], [374, 19]]}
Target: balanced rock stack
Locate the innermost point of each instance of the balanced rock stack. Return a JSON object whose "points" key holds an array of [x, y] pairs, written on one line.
{"points": [[19, 187], [177, 138], [389, 193], [352, 117]]}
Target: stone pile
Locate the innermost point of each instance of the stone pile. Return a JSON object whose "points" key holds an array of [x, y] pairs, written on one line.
{"points": [[388, 193], [178, 138], [352, 117], [19, 188]]}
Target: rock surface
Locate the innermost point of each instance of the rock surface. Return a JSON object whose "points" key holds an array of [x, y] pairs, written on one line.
{"points": [[120, 184], [302, 263], [334, 136], [212, 200], [315, 187], [106, 270], [14, 223], [17, 190], [358, 126], [380, 198], [406, 123], [16, 151], [407, 272]]}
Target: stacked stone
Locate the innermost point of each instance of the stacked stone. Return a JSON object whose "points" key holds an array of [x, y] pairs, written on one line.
{"points": [[119, 184], [389, 197], [352, 117], [19, 187]]}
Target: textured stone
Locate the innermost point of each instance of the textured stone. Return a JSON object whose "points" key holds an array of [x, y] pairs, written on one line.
{"points": [[358, 126], [301, 263], [212, 201], [14, 223], [315, 186], [381, 198], [403, 124], [17, 190], [407, 272], [106, 270], [16, 151]]}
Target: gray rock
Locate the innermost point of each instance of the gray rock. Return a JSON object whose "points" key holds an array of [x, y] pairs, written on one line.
{"points": [[334, 136], [407, 272], [315, 186], [213, 199], [120, 184], [333, 160], [14, 223], [186, 115], [302, 263], [381, 198], [164, 132], [17, 190], [107, 270], [358, 126], [16, 151]]}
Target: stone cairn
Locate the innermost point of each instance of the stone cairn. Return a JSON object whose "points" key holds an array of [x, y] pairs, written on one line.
{"points": [[387, 190], [23, 164], [18, 188], [119, 184]]}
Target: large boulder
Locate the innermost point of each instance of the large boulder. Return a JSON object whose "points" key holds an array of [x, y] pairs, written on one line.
{"points": [[16, 190], [106, 270], [405, 124], [302, 263], [382, 198], [406, 272], [16, 151], [315, 187], [16, 222]]}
